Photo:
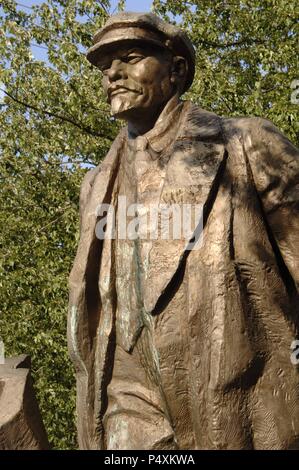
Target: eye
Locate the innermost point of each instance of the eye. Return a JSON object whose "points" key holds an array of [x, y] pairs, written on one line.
{"points": [[132, 58]]}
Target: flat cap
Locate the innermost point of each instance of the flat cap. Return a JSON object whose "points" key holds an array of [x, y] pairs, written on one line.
{"points": [[146, 27]]}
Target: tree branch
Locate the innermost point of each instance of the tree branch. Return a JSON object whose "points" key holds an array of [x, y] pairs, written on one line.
{"points": [[80, 126], [243, 42], [248, 42]]}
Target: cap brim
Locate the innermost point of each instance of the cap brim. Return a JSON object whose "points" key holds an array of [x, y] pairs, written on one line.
{"points": [[114, 38]]}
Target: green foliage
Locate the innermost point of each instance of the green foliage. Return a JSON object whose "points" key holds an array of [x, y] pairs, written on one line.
{"points": [[247, 56], [55, 123]]}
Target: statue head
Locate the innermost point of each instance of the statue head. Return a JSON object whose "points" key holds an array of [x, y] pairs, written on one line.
{"points": [[145, 61]]}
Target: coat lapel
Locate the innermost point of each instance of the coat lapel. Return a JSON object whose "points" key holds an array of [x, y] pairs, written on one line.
{"points": [[192, 177]]}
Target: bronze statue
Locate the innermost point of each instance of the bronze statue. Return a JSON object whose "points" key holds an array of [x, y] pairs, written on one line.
{"points": [[178, 348]]}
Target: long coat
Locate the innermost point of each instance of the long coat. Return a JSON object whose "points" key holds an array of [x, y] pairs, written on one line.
{"points": [[242, 283]]}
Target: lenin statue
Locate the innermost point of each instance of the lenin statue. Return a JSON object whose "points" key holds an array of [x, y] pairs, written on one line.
{"points": [[177, 347]]}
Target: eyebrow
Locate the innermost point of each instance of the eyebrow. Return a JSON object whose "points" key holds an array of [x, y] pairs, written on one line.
{"points": [[130, 51], [125, 54], [134, 49]]}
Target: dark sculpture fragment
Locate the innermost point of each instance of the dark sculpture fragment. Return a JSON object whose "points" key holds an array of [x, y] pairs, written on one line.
{"points": [[21, 425]]}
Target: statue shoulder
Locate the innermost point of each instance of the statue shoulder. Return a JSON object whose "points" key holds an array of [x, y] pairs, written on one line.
{"points": [[273, 158], [257, 128], [260, 136]]}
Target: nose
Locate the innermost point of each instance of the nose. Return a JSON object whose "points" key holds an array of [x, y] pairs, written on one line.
{"points": [[116, 70]]}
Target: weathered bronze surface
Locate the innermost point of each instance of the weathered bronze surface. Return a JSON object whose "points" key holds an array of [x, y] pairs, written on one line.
{"points": [[177, 348]]}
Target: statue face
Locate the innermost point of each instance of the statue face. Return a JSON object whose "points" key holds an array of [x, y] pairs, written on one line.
{"points": [[137, 81]]}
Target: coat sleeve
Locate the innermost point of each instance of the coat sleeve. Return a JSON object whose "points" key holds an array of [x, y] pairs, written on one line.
{"points": [[274, 163]]}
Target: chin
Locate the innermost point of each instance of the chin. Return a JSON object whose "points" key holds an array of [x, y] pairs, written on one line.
{"points": [[123, 108]]}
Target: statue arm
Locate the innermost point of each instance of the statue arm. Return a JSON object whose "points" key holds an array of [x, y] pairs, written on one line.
{"points": [[274, 162]]}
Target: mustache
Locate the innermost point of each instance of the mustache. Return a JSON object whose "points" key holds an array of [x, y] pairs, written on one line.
{"points": [[126, 85]]}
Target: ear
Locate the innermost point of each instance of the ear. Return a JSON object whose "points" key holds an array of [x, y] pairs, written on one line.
{"points": [[179, 71]]}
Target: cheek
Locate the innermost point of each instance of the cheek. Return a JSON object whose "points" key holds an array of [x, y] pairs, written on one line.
{"points": [[141, 74], [149, 73]]}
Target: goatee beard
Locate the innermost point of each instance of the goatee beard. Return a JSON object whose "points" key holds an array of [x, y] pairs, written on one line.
{"points": [[120, 104]]}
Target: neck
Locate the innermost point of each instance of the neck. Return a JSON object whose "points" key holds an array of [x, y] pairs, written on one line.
{"points": [[140, 124], [143, 122]]}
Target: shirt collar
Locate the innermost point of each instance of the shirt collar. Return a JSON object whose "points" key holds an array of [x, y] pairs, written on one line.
{"points": [[162, 134]]}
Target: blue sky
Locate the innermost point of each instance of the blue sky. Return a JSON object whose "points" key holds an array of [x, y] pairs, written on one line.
{"points": [[131, 5], [135, 5]]}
